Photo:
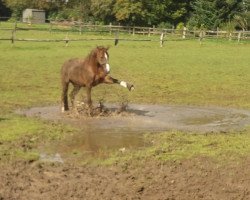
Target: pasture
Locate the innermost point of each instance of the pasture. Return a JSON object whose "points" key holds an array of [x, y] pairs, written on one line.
{"points": [[214, 74]]}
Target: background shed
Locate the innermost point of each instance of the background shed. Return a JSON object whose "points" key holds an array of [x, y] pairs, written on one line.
{"points": [[33, 16]]}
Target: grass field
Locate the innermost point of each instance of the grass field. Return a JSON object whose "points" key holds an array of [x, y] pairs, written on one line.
{"points": [[217, 73]]}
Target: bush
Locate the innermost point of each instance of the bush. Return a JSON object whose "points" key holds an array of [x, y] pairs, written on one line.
{"points": [[166, 25], [180, 26]]}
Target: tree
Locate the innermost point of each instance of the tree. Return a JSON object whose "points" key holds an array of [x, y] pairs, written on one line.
{"points": [[103, 10], [17, 6], [144, 12], [204, 14], [178, 11], [212, 13], [4, 11], [155, 11], [243, 19], [129, 12]]}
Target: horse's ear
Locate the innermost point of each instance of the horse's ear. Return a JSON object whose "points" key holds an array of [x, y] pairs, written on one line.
{"points": [[107, 48]]}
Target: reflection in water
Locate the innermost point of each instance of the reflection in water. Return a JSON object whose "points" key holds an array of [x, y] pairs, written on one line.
{"points": [[97, 142], [93, 141]]}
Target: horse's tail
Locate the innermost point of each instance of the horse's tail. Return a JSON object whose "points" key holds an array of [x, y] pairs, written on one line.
{"points": [[65, 86]]}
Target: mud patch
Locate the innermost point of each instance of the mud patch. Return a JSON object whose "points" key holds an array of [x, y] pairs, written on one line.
{"points": [[152, 118], [124, 130], [197, 178], [100, 110]]}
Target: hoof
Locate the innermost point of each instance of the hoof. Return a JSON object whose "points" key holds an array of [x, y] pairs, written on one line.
{"points": [[131, 87], [62, 110]]}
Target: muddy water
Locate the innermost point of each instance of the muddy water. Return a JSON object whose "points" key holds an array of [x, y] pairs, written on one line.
{"points": [[124, 132], [96, 143]]}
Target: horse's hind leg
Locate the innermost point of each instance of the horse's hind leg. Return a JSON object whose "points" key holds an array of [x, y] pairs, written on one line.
{"points": [[89, 101], [65, 105], [72, 95]]}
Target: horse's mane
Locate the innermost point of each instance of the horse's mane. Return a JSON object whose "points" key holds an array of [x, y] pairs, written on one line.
{"points": [[92, 54]]}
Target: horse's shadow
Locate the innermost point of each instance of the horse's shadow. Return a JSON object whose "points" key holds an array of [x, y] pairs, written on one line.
{"points": [[128, 110], [105, 110], [3, 119], [138, 112]]}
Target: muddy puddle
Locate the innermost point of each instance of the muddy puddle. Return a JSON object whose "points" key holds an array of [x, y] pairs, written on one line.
{"points": [[123, 132], [89, 144]]}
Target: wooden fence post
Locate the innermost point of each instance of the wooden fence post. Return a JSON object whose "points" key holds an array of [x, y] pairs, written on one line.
{"points": [[119, 27], [13, 34], [161, 39], [110, 28], [172, 30], [12, 37], [217, 33], [184, 32], [201, 36], [67, 40], [116, 38], [194, 30], [15, 26], [50, 27], [230, 36], [80, 28], [239, 36]]}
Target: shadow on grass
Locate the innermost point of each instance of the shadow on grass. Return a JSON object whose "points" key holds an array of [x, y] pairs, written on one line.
{"points": [[3, 119]]}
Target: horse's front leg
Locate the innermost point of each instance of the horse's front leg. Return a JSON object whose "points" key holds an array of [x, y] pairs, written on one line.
{"points": [[110, 80]]}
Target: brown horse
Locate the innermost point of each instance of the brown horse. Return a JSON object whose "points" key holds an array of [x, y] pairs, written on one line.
{"points": [[88, 73]]}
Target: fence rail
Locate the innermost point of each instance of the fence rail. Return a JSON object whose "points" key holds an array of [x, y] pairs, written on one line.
{"points": [[81, 28], [143, 30]]}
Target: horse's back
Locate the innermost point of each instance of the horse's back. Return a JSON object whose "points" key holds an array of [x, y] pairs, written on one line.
{"points": [[73, 70], [72, 63]]}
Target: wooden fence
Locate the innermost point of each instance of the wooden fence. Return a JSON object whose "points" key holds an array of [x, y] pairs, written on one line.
{"points": [[116, 30]]}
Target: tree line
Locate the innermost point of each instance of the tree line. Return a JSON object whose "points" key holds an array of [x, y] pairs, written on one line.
{"points": [[207, 14]]}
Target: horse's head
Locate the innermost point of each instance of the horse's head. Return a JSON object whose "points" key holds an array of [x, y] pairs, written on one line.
{"points": [[102, 55]]}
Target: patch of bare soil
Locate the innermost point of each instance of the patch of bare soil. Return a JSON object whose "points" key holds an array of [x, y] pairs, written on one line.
{"points": [[54, 177], [149, 118], [197, 178]]}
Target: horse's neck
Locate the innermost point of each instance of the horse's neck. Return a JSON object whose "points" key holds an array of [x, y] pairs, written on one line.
{"points": [[91, 58], [92, 61]]}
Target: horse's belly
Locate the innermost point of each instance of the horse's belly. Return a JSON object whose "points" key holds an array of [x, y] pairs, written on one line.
{"points": [[98, 80], [80, 78]]}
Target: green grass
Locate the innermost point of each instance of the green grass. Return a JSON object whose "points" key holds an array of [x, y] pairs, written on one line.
{"points": [[14, 128], [20, 136], [217, 73], [180, 73], [177, 146]]}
